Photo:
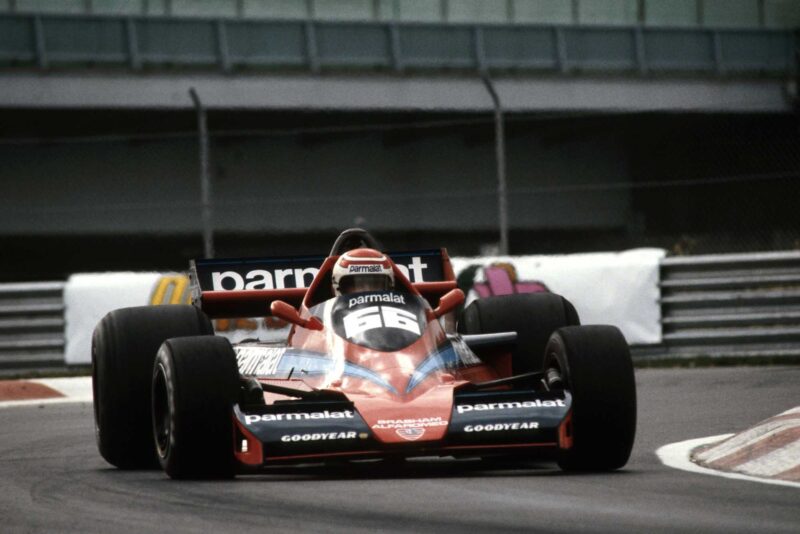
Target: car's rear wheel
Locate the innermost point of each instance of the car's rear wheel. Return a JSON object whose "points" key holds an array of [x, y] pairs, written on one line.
{"points": [[533, 316], [195, 383], [124, 346], [595, 366]]}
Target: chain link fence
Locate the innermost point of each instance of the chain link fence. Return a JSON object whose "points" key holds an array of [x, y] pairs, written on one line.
{"points": [[689, 183], [721, 185]]}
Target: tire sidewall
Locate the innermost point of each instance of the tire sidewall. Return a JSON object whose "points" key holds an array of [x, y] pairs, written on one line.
{"points": [[124, 347], [596, 366], [200, 382], [164, 400]]}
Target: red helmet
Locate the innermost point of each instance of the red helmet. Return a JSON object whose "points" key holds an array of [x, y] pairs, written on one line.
{"points": [[362, 269]]}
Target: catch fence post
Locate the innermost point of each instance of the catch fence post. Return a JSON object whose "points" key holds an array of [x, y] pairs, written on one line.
{"points": [[205, 177]]}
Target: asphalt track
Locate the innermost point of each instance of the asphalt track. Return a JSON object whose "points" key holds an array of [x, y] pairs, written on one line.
{"points": [[53, 480]]}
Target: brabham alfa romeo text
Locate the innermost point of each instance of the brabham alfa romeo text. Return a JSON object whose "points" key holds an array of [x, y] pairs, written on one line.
{"points": [[538, 403], [298, 416], [410, 423]]}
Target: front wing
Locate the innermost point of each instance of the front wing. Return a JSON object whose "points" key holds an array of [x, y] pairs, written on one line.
{"points": [[481, 423]]}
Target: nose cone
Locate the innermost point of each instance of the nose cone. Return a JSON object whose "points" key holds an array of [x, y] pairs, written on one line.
{"points": [[422, 418]]}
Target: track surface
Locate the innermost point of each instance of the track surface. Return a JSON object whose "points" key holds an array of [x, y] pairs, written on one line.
{"points": [[53, 480]]}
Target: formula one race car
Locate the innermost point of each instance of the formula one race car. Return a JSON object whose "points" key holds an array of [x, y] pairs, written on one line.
{"points": [[379, 364]]}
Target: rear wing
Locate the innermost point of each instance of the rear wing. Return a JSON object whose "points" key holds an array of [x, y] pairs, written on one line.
{"points": [[245, 287]]}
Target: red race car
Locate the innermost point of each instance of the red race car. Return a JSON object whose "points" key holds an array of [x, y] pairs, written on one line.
{"points": [[380, 362]]}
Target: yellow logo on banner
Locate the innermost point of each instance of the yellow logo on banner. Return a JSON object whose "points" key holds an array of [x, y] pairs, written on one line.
{"points": [[171, 289]]}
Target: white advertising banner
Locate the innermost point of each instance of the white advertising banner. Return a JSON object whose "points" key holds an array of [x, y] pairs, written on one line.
{"points": [[619, 288], [88, 297], [606, 288]]}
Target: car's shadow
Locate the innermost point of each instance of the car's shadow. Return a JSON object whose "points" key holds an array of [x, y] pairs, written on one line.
{"points": [[391, 469], [418, 468]]}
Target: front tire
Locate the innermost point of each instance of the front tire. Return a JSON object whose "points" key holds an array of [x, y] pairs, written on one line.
{"points": [[596, 368], [533, 316], [124, 346], [195, 384]]}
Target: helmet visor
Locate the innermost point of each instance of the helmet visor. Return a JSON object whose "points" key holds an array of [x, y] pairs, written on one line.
{"points": [[364, 282]]}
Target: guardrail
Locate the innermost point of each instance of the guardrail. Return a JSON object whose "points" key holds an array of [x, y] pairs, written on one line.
{"points": [[138, 42], [31, 325], [731, 305]]}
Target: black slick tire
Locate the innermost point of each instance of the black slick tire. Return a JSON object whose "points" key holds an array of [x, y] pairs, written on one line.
{"points": [[195, 384], [533, 316], [596, 368], [124, 346]]}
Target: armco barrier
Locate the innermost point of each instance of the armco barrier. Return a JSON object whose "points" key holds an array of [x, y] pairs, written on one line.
{"points": [[31, 325], [745, 305]]}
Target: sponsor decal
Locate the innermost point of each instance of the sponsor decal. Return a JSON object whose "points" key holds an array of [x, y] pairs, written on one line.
{"points": [[283, 273], [365, 269], [409, 429], [391, 298], [409, 423], [318, 436], [280, 361], [171, 289], [414, 270], [538, 403], [496, 427], [262, 279], [296, 416], [258, 361], [410, 434], [372, 317]]}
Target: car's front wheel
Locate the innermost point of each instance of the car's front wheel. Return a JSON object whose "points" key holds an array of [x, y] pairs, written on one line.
{"points": [[595, 366], [124, 346], [195, 383]]}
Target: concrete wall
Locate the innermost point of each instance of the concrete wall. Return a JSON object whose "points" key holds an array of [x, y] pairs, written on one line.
{"points": [[573, 94]]}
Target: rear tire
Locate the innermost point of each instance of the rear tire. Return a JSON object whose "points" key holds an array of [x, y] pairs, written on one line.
{"points": [[596, 368], [124, 346], [533, 316], [195, 384]]}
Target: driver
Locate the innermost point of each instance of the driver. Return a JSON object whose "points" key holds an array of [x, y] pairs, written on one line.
{"points": [[362, 269]]}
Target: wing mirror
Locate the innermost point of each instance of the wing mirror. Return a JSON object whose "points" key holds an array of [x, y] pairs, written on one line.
{"points": [[284, 311], [449, 302]]}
